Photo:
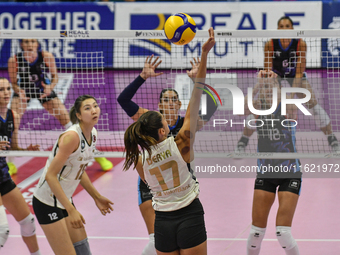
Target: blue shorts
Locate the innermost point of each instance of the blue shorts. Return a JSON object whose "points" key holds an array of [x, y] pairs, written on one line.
{"points": [[144, 193]]}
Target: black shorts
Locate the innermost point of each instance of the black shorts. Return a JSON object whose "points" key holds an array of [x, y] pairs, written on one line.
{"points": [[290, 80], [41, 100], [144, 193], [47, 214], [270, 185], [7, 186], [181, 229]]}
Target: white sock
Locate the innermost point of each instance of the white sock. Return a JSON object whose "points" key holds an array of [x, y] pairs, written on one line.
{"points": [[150, 249]]}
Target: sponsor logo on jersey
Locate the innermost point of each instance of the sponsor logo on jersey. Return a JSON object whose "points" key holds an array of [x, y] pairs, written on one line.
{"points": [[82, 146], [10, 126], [94, 138]]}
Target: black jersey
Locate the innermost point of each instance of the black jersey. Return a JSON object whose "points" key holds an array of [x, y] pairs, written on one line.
{"points": [[175, 128], [277, 136], [6, 130], [285, 60], [30, 75]]}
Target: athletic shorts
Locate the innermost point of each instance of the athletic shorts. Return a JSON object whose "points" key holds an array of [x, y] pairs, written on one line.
{"points": [[7, 186], [290, 80], [144, 193], [47, 214], [270, 185], [41, 100], [180, 229]]}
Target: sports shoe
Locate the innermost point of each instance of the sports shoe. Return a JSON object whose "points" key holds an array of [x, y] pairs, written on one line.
{"points": [[105, 164], [12, 169], [333, 142], [242, 144]]}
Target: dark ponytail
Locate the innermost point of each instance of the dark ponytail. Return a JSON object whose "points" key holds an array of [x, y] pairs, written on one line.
{"points": [[76, 107], [143, 133]]}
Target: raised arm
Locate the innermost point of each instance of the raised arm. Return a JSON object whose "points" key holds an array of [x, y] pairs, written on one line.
{"points": [[268, 56], [125, 98], [186, 135]]}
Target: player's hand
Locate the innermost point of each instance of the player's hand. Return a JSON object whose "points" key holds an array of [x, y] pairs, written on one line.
{"points": [[76, 219], [35, 147], [104, 205], [210, 42], [194, 68], [265, 77], [22, 96], [4, 145], [47, 90], [150, 67]]}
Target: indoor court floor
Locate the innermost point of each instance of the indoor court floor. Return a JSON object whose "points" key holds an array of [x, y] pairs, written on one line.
{"points": [[227, 203]]}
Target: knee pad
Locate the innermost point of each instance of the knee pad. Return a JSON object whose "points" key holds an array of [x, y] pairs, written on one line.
{"points": [[82, 247], [255, 238], [4, 229], [150, 249], [320, 116], [27, 226], [285, 238], [252, 123]]}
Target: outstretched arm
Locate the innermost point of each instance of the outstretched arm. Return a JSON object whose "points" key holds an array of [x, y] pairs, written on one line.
{"points": [[211, 107], [186, 135], [125, 97]]}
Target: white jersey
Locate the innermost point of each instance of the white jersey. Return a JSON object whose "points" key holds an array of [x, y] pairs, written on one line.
{"points": [[71, 173], [172, 185]]}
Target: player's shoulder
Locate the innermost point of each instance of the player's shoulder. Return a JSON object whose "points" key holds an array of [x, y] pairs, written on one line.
{"points": [[46, 54], [68, 137]]}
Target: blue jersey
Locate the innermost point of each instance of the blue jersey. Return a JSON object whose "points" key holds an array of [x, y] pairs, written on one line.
{"points": [[30, 75], [6, 131], [285, 60], [275, 137]]}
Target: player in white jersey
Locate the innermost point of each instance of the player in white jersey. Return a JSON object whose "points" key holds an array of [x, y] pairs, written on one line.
{"points": [[62, 224], [162, 164], [11, 196]]}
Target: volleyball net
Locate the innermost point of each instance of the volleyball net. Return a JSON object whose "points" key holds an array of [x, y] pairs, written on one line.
{"points": [[103, 63]]}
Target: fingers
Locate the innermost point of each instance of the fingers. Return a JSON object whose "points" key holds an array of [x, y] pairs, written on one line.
{"points": [[155, 61], [82, 220], [4, 145], [159, 62], [211, 32], [78, 223], [158, 74], [150, 59]]}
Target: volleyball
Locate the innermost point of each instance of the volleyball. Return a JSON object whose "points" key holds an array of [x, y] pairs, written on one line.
{"points": [[180, 28]]}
